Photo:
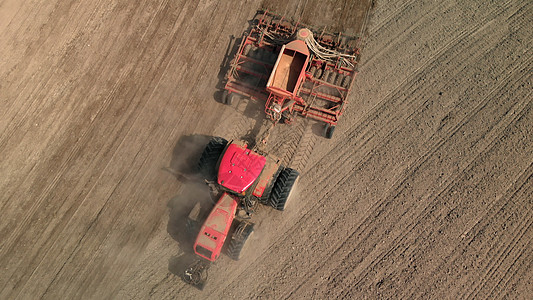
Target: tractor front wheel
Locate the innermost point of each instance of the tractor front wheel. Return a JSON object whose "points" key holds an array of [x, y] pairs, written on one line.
{"points": [[239, 239], [283, 188], [208, 161]]}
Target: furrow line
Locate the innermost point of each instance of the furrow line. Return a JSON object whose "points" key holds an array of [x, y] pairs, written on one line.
{"points": [[502, 253], [401, 37], [500, 286], [387, 19]]}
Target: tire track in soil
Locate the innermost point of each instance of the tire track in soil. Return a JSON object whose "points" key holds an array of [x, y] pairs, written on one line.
{"points": [[503, 251], [29, 108], [495, 208], [83, 134], [347, 267], [402, 36], [304, 149], [62, 63], [401, 182], [514, 276], [386, 20]]}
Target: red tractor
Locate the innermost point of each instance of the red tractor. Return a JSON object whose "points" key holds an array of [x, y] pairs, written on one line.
{"points": [[245, 179]]}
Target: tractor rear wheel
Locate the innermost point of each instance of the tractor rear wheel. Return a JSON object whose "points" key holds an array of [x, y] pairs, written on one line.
{"points": [[239, 239], [282, 191], [209, 159], [268, 190]]}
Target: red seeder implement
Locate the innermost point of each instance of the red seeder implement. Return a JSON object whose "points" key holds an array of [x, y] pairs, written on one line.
{"points": [[294, 69]]}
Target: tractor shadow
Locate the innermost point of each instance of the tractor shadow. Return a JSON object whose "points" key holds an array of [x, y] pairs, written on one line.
{"points": [[183, 166], [185, 156], [177, 264], [225, 65]]}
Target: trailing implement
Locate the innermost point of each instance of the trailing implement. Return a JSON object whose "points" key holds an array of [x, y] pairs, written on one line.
{"points": [[294, 69]]}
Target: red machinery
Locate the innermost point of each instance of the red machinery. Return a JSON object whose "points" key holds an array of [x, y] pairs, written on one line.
{"points": [[294, 69], [246, 179]]}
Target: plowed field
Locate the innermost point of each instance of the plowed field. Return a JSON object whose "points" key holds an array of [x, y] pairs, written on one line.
{"points": [[425, 190]]}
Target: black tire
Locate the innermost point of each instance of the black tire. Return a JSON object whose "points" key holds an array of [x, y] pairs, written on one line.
{"points": [[238, 239], [268, 190], [328, 131], [208, 162], [254, 52], [224, 96], [331, 77], [229, 99], [282, 188]]}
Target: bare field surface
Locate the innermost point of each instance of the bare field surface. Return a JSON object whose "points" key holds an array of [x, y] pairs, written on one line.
{"points": [[425, 190]]}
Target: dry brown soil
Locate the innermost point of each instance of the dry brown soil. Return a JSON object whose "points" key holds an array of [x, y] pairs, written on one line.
{"points": [[425, 190]]}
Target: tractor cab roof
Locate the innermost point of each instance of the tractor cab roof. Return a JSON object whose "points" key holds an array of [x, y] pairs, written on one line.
{"points": [[239, 168]]}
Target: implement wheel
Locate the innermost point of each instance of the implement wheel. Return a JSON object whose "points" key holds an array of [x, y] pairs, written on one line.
{"points": [[227, 97], [328, 131], [208, 161], [239, 239], [283, 188]]}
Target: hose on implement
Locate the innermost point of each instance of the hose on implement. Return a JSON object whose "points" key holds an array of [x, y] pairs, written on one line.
{"points": [[315, 47]]}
